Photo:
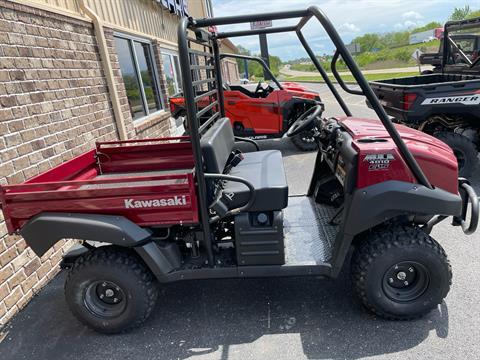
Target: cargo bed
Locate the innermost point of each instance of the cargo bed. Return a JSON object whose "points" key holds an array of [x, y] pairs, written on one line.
{"points": [[150, 182], [408, 99]]}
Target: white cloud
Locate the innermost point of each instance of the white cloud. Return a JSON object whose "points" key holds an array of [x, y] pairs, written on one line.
{"points": [[351, 18], [407, 24], [412, 15], [348, 28]]}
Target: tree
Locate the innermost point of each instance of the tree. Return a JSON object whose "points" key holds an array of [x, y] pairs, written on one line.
{"points": [[368, 42], [461, 13], [473, 14], [429, 26], [254, 67]]}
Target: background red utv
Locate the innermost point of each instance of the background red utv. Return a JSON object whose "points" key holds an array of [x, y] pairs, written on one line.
{"points": [[258, 110]]}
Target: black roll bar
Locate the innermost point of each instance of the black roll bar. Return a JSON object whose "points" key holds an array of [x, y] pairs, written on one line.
{"points": [[218, 75], [305, 15], [257, 59], [448, 41], [339, 78], [189, 94], [256, 32], [323, 73]]}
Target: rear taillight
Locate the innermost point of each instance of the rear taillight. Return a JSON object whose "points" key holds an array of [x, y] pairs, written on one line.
{"points": [[408, 100], [172, 107]]}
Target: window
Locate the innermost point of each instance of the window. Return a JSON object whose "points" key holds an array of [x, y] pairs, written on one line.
{"points": [[171, 67], [139, 76]]}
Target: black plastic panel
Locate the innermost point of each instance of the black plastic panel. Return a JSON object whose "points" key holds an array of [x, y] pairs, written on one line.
{"points": [[258, 242]]}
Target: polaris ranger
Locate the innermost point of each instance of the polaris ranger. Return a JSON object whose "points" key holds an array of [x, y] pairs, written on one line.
{"points": [[160, 210], [445, 104]]}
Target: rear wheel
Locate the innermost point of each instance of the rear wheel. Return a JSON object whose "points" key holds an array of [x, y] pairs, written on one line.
{"points": [[465, 151], [400, 273], [110, 290], [305, 141]]}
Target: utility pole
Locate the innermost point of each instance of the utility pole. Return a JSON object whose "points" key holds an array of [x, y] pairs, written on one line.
{"points": [[264, 54], [263, 42]]}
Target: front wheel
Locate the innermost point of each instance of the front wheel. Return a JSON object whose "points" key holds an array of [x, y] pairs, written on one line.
{"points": [[110, 290], [400, 272]]}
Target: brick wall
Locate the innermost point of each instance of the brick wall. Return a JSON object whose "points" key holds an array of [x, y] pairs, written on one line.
{"points": [[54, 105]]}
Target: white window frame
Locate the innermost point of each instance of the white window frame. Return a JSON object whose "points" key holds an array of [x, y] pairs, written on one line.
{"points": [[148, 42], [172, 54]]}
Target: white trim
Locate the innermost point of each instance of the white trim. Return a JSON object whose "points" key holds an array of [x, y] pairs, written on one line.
{"points": [[176, 77]]}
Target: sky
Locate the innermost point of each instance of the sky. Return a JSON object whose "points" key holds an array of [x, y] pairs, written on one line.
{"points": [[351, 18]]}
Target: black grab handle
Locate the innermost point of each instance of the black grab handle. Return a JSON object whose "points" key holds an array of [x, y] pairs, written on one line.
{"points": [[473, 199]]}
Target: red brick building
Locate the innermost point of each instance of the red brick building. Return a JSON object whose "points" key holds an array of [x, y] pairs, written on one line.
{"points": [[73, 72]]}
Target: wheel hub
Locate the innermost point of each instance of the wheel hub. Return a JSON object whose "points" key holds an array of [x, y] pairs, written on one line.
{"points": [[405, 281], [105, 298]]}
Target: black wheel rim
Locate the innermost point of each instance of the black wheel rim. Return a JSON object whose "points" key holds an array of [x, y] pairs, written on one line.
{"points": [[105, 299], [460, 158], [406, 281]]}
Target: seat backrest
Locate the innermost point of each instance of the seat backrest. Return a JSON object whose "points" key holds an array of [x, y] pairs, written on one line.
{"points": [[217, 144]]}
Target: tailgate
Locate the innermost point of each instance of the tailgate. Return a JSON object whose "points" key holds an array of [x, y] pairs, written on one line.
{"points": [[391, 97]]}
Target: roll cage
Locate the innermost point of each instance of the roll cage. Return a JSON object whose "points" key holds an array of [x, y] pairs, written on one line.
{"points": [[200, 64], [257, 59], [449, 43]]}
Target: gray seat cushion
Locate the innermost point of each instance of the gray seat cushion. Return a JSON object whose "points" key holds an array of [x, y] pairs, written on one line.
{"points": [[265, 171], [217, 144]]}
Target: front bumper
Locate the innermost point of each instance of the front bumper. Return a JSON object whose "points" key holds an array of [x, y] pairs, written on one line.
{"points": [[469, 200], [469, 197]]}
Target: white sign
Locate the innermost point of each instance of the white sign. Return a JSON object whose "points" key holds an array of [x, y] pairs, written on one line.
{"points": [[354, 48], [416, 54], [464, 100], [260, 24]]}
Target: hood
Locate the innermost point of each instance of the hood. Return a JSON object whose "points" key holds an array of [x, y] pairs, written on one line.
{"points": [[434, 157], [293, 86], [361, 128]]}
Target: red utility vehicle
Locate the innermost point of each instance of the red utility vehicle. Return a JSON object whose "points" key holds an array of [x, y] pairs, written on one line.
{"points": [[259, 111], [161, 210]]}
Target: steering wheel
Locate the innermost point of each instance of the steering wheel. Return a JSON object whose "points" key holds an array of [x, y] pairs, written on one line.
{"points": [[258, 88], [305, 121]]}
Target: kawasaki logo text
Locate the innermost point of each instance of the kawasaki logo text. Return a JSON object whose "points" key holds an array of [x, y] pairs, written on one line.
{"points": [[173, 201]]}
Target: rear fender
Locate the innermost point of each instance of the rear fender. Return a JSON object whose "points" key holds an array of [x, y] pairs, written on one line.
{"points": [[46, 229]]}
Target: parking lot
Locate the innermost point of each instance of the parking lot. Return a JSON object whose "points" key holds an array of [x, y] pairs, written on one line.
{"points": [[304, 318]]}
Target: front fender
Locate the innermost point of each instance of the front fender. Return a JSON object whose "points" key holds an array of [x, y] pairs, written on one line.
{"points": [[375, 204], [46, 229]]}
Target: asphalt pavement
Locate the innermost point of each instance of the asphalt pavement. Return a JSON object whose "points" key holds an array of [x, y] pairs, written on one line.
{"points": [[301, 318]]}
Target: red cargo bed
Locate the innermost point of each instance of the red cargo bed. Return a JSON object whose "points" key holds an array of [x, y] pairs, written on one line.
{"points": [[150, 182]]}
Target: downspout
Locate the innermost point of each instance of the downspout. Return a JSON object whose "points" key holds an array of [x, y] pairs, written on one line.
{"points": [[107, 68]]}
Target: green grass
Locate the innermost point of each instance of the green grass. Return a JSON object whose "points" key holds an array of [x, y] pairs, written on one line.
{"points": [[383, 59], [349, 78]]}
